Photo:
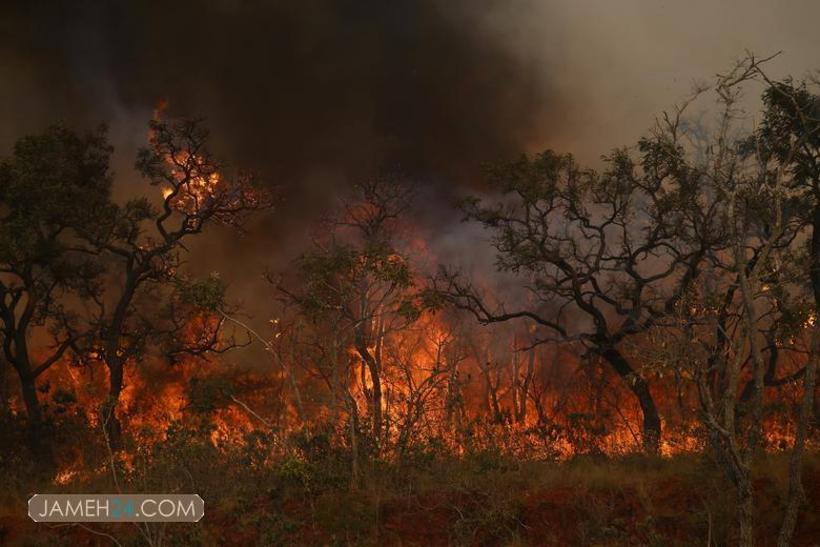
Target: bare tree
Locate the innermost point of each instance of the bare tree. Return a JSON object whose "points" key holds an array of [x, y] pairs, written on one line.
{"points": [[426, 362]]}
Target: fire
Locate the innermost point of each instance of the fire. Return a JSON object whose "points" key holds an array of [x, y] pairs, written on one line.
{"points": [[197, 183], [441, 380], [65, 476], [565, 415]]}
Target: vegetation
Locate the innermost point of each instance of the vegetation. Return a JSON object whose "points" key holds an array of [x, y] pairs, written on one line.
{"points": [[646, 378]]}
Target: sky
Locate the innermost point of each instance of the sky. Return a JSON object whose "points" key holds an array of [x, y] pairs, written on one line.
{"points": [[313, 94]]}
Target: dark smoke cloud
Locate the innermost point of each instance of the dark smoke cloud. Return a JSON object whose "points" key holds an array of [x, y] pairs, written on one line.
{"points": [[309, 94], [312, 92], [289, 88]]}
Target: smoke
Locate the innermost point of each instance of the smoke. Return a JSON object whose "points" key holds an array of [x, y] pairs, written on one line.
{"points": [[295, 90], [624, 62], [315, 93], [310, 93]]}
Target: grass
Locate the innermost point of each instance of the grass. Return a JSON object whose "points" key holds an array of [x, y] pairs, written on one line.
{"points": [[483, 498]]}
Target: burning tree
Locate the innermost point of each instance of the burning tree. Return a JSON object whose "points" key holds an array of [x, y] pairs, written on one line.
{"points": [[690, 261], [360, 282], [142, 247]]}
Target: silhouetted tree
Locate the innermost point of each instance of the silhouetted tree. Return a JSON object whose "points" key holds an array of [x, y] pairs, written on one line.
{"points": [[54, 186], [750, 307], [605, 255]]}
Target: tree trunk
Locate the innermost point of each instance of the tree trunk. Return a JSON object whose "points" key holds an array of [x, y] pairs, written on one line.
{"points": [[515, 384], [492, 395], [111, 424], [651, 429], [115, 358], [375, 378], [745, 513], [36, 431], [814, 272], [525, 387], [29, 389], [375, 399], [15, 351], [796, 495], [354, 443]]}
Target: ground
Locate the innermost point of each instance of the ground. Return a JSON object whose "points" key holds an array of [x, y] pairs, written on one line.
{"points": [[481, 499]]}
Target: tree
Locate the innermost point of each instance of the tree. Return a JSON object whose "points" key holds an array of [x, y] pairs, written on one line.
{"points": [[605, 255], [55, 186], [750, 307], [789, 137], [144, 245], [357, 279]]}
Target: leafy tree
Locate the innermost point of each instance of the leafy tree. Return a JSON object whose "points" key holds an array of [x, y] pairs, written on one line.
{"points": [[54, 187], [357, 280], [789, 138], [730, 332]]}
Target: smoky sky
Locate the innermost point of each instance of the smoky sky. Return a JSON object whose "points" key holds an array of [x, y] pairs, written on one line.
{"points": [[308, 94], [314, 93], [288, 88]]}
